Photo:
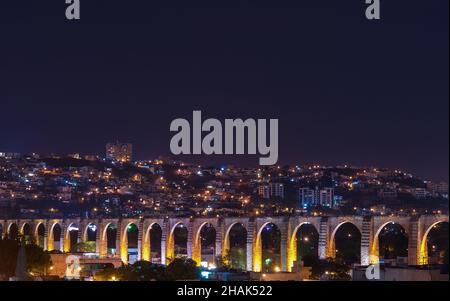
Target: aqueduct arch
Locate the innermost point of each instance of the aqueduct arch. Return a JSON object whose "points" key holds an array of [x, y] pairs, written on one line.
{"points": [[25, 229], [104, 243], [227, 247], [91, 233], [292, 256], [335, 223], [197, 250], [40, 234], [168, 233], [426, 226], [146, 243], [13, 230], [257, 251], [51, 237], [196, 226], [375, 252], [148, 226], [124, 243], [226, 239], [70, 239], [379, 223], [416, 227], [332, 243]]}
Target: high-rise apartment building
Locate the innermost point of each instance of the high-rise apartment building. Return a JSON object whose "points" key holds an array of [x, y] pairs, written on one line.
{"points": [[271, 190], [437, 188], [306, 197], [117, 151], [315, 197]]}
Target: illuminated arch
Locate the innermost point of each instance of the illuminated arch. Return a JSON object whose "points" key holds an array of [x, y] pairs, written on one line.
{"points": [[197, 244], [36, 229], [86, 234], [40, 239], [68, 243], [86, 229], [375, 249], [257, 247], [146, 243], [8, 227], [124, 241], [104, 239], [423, 253], [13, 226], [105, 231], [332, 244], [292, 245], [51, 236], [170, 247], [22, 229], [226, 241]]}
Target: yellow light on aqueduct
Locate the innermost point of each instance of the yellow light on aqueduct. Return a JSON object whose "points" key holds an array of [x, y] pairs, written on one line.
{"points": [[417, 228]]}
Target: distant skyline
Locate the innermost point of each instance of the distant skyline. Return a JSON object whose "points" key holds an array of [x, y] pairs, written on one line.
{"points": [[222, 160], [345, 90]]}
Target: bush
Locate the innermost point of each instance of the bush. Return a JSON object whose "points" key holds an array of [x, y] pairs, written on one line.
{"points": [[182, 269], [37, 259]]}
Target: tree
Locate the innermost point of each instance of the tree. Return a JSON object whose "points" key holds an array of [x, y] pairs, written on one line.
{"points": [[8, 255], [236, 258], [223, 263], [147, 271], [108, 274], [347, 257], [141, 271], [37, 259], [182, 269], [86, 247], [328, 267], [178, 269]]}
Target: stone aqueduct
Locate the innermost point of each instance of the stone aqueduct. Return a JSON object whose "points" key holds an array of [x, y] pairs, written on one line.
{"points": [[416, 228]]}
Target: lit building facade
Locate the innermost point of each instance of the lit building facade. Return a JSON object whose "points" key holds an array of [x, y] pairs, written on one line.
{"points": [[117, 151], [271, 190], [315, 197]]}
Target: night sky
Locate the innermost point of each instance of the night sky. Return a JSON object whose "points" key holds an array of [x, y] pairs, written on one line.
{"points": [[345, 89]]}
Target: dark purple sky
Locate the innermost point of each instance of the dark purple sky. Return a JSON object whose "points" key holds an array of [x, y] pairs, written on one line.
{"points": [[345, 89]]}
